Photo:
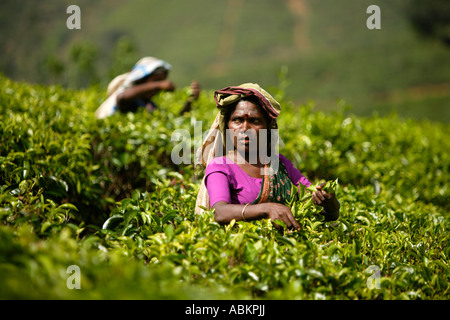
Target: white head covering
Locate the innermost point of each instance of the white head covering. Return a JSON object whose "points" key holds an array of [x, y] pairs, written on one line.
{"points": [[143, 68]]}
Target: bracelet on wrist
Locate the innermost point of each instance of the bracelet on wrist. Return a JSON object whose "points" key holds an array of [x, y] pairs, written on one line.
{"points": [[243, 211]]}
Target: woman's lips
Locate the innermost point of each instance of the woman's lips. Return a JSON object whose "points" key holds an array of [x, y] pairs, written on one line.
{"points": [[247, 141]]}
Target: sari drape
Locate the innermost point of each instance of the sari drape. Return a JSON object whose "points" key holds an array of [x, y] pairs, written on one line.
{"points": [[276, 186]]}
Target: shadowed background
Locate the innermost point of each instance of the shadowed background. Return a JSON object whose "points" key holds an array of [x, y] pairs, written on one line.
{"points": [[316, 50]]}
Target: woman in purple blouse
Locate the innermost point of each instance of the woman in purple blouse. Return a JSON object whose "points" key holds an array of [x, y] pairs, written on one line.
{"points": [[248, 180]]}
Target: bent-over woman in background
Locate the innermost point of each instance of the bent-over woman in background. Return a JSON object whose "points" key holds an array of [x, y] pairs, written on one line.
{"points": [[132, 90]]}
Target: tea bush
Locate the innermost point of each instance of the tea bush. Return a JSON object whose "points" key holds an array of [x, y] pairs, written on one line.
{"points": [[105, 196]]}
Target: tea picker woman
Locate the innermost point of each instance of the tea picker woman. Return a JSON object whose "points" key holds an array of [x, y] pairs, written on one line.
{"points": [[241, 182], [135, 89]]}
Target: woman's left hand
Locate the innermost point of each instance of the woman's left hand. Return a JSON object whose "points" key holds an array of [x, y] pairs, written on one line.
{"points": [[327, 200], [194, 90]]}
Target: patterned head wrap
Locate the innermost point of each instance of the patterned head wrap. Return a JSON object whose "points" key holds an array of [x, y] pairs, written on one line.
{"points": [[229, 95]]}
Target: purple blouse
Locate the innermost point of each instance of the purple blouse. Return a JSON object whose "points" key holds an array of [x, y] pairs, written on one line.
{"points": [[226, 181]]}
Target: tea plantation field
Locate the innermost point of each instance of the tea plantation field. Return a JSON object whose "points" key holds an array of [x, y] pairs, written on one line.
{"points": [[96, 209]]}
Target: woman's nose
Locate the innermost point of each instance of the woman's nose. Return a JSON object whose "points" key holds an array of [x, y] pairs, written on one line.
{"points": [[245, 126]]}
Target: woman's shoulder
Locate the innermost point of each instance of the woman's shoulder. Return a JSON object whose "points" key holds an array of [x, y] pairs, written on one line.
{"points": [[285, 160], [294, 173], [292, 170]]}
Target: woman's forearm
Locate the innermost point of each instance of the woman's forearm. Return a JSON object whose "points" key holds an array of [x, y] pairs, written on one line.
{"points": [[138, 91], [225, 212]]}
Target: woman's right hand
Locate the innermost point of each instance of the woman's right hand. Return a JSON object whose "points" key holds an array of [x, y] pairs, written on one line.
{"points": [[166, 85], [278, 211]]}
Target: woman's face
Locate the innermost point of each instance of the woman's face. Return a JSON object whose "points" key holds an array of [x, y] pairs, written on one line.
{"points": [[245, 124], [155, 76]]}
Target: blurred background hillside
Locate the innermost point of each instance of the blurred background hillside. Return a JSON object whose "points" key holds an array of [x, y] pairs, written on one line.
{"points": [[317, 50]]}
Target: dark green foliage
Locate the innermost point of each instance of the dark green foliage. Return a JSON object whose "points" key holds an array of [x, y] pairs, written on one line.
{"points": [[431, 18], [105, 196]]}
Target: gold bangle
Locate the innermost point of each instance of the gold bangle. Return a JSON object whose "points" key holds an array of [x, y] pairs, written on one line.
{"points": [[243, 210]]}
